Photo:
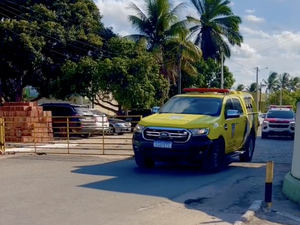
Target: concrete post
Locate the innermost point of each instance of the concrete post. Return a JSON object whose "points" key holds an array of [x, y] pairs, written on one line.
{"points": [[296, 154], [291, 184]]}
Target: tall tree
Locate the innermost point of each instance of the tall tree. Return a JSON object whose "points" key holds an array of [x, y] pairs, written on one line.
{"points": [[252, 87], [240, 87], [69, 30], [272, 82], [295, 83], [284, 81], [130, 76], [182, 54], [216, 21], [157, 24]]}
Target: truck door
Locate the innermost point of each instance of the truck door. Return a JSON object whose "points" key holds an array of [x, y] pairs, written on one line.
{"points": [[239, 123], [228, 125]]}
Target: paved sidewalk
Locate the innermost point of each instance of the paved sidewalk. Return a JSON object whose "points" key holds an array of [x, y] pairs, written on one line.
{"points": [[281, 205]]}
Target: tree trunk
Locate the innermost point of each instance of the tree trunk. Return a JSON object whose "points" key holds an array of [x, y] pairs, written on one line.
{"points": [[19, 91], [179, 68]]}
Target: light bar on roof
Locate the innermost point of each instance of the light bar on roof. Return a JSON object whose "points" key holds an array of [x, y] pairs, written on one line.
{"points": [[281, 106], [205, 90]]}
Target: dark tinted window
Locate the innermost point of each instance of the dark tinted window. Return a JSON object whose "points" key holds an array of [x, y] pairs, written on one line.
{"points": [[237, 105], [228, 105], [193, 105], [59, 110], [281, 114]]}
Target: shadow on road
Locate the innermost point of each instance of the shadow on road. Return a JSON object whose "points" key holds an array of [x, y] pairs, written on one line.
{"points": [[168, 181]]}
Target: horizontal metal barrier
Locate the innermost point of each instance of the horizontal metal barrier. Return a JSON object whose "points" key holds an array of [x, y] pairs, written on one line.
{"points": [[68, 135]]}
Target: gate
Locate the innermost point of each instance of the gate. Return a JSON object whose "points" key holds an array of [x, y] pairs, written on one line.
{"points": [[41, 135]]}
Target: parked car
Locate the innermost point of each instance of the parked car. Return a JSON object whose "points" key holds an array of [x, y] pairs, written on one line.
{"points": [[155, 109], [134, 116], [81, 119], [119, 126], [102, 123]]}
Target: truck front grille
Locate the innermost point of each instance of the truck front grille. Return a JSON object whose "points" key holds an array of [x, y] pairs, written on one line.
{"points": [[279, 125], [168, 134]]}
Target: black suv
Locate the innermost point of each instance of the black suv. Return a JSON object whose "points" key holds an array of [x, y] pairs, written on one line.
{"points": [[81, 119]]}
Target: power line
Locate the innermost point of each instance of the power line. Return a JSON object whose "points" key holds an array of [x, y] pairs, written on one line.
{"points": [[86, 44], [275, 39], [238, 63]]}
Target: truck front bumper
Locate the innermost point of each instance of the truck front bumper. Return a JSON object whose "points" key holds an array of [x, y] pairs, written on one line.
{"points": [[191, 151]]}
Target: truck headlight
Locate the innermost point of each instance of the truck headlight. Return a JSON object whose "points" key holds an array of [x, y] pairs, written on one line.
{"points": [[200, 132], [292, 124], [138, 128]]}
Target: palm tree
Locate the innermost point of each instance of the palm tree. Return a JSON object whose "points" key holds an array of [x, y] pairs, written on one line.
{"points": [[240, 87], [272, 82], [284, 80], [251, 87], [157, 24], [186, 55], [216, 21], [295, 83]]}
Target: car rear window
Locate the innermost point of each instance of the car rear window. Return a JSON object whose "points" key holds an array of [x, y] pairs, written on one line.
{"points": [[97, 112], [82, 110], [281, 114], [193, 105]]}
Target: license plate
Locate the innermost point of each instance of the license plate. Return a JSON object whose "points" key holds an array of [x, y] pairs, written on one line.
{"points": [[162, 144]]}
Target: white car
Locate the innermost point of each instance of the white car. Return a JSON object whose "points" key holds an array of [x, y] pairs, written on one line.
{"points": [[279, 122], [102, 123]]}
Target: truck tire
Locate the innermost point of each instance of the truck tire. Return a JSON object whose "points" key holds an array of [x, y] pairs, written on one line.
{"points": [[249, 149], [213, 162], [143, 161]]}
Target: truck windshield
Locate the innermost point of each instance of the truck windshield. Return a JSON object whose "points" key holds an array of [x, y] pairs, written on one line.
{"points": [[281, 114], [193, 105]]}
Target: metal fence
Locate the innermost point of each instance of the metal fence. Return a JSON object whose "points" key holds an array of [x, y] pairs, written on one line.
{"points": [[66, 135]]}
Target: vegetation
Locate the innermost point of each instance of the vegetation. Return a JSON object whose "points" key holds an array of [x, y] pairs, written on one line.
{"points": [[278, 87], [62, 49]]}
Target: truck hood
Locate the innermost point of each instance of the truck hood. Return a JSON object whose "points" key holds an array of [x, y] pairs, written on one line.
{"points": [[187, 121]]}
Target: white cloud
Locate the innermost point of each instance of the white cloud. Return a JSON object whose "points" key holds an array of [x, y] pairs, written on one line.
{"points": [[250, 10], [279, 52], [255, 19]]}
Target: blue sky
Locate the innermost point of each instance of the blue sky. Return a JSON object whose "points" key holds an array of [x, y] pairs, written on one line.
{"points": [[269, 28]]}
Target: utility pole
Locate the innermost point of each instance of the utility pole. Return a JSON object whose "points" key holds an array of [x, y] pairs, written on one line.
{"points": [[222, 71], [280, 89], [260, 89], [257, 88]]}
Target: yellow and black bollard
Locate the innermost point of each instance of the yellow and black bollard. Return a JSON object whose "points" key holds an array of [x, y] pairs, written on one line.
{"points": [[269, 183]]}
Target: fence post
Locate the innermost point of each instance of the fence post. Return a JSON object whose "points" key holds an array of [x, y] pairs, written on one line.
{"points": [[103, 145], [269, 183], [2, 135], [68, 134], [34, 136]]}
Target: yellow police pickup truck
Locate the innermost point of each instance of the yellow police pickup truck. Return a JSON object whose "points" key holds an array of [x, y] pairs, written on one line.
{"points": [[203, 126]]}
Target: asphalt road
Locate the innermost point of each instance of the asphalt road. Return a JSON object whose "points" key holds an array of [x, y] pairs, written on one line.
{"points": [[66, 189]]}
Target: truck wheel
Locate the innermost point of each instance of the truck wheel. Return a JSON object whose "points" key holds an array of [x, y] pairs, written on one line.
{"points": [[249, 150], [264, 135], [143, 161], [214, 160]]}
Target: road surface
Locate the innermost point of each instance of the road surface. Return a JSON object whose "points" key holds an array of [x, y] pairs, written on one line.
{"points": [[68, 189]]}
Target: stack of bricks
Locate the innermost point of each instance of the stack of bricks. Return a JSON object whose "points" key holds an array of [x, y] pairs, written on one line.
{"points": [[26, 122]]}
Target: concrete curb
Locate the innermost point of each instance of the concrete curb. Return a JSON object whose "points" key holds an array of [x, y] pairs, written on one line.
{"points": [[256, 205]]}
